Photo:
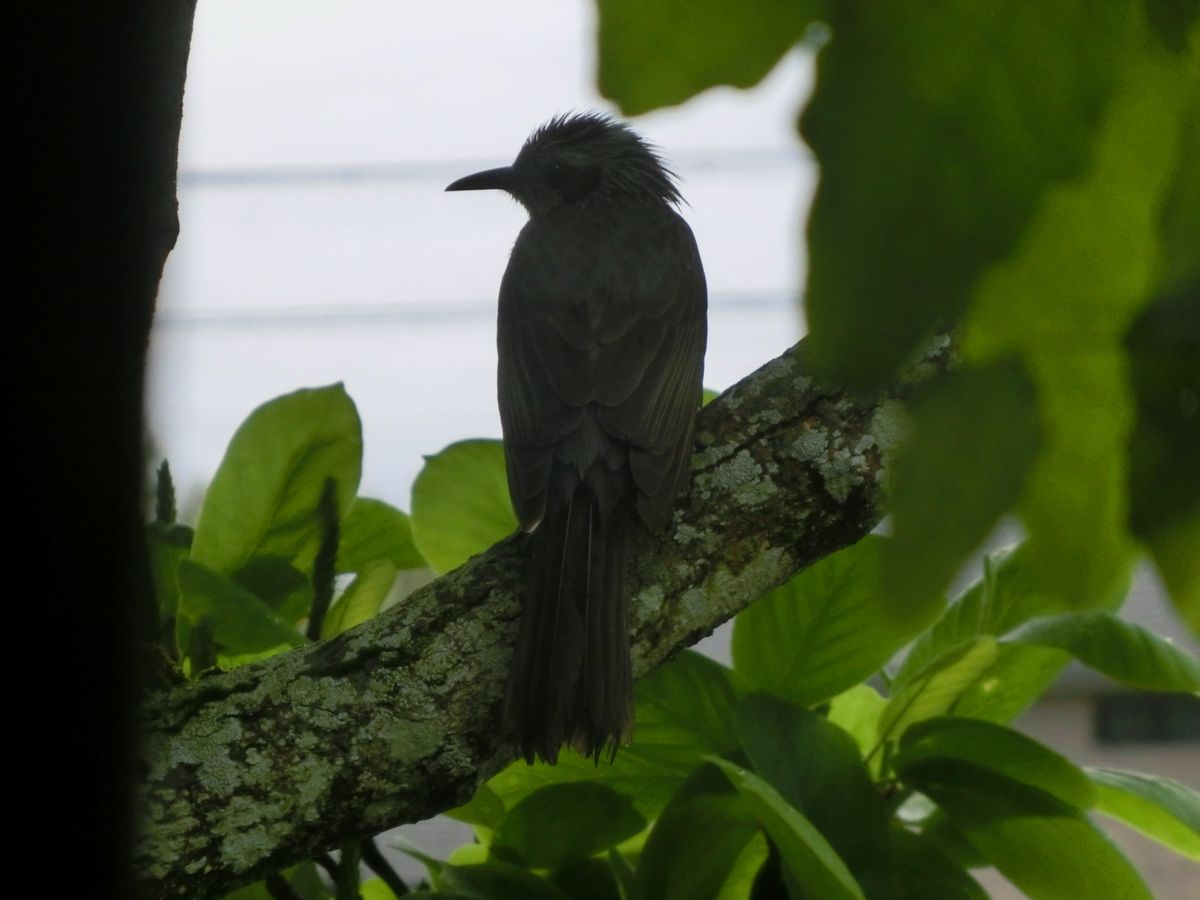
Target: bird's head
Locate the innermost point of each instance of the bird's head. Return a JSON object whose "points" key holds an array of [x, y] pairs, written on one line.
{"points": [[580, 158]]}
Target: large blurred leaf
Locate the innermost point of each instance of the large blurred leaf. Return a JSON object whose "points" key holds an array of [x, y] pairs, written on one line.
{"points": [[807, 856], [263, 499], [1162, 809], [1122, 650], [460, 504], [239, 625], [562, 823], [945, 501], [1164, 479], [684, 711], [826, 629], [660, 54], [374, 530], [695, 847], [943, 742], [1062, 303], [1179, 217], [362, 598], [1048, 849], [938, 128], [816, 767]]}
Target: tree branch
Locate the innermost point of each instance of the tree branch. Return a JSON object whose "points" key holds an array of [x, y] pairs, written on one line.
{"points": [[250, 770]]}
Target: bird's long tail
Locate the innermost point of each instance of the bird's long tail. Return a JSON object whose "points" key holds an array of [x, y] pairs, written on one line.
{"points": [[570, 680]]}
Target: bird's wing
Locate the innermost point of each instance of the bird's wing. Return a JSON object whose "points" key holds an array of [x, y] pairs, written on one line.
{"points": [[615, 339], [652, 404]]}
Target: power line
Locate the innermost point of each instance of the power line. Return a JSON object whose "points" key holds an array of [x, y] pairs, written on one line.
{"points": [[745, 158], [409, 313]]}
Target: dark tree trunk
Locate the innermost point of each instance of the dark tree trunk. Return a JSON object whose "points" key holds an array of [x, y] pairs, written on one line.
{"points": [[101, 91]]}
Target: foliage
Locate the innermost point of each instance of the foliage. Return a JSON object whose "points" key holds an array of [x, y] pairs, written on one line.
{"points": [[827, 771], [784, 770], [1029, 175]]}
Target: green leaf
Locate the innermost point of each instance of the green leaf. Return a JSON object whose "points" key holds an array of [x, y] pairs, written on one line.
{"points": [[739, 881], [944, 502], [362, 598], [806, 855], [484, 810], [433, 865], [1160, 808], [1048, 849], [1164, 481], [857, 712], [373, 530], [460, 504], [660, 54], [279, 584], [1063, 302], [303, 879], [1007, 595], [241, 627], [943, 742], [1000, 601], [815, 766], [1122, 650], [935, 689], [562, 823], [826, 629], [495, 880], [920, 869], [686, 703], [1179, 218], [375, 889], [263, 499], [937, 139], [623, 876], [1175, 556], [940, 831], [588, 879], [695, 847], [684, 711]]}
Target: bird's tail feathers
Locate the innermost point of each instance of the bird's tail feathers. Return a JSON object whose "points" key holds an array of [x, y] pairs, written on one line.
{"points": [[571, 680]]}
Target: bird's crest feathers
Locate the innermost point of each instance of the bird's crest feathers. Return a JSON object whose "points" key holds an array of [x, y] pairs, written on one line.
{"points": [[631, 164]]}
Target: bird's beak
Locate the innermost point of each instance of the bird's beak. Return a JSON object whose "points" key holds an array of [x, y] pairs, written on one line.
{"points": [[493, 179]]}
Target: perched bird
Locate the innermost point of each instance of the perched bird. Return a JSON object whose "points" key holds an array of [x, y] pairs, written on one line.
{"points": [[602, 329]]}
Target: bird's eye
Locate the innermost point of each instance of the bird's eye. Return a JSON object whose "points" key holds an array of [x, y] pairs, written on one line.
{"points": [[572, 182]]}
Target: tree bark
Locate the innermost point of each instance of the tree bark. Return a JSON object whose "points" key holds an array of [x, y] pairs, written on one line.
{"points": [[251, 770]]}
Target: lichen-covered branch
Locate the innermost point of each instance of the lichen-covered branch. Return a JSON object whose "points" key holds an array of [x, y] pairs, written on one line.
{"points": [[250, 770]]}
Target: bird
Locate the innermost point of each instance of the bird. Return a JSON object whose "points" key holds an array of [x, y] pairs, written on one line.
{"points": [[601, 335]]}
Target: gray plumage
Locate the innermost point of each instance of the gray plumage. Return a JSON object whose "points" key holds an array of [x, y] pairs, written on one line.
{"points": [[601, 342]]}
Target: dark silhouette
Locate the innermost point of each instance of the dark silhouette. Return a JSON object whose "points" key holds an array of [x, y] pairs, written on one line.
{"points": [[601, 337]]}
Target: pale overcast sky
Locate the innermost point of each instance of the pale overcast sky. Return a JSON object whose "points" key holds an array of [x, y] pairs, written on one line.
{"points": [[380, 279]]}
